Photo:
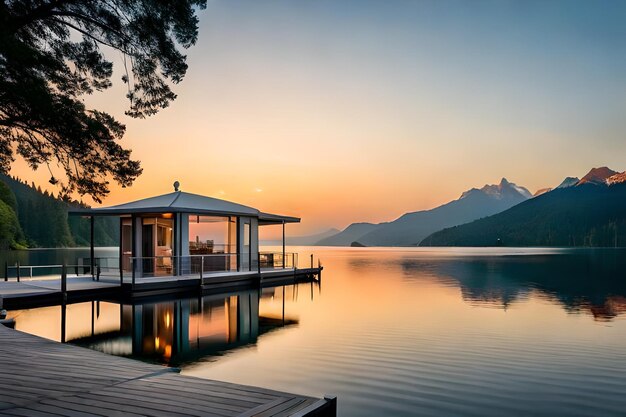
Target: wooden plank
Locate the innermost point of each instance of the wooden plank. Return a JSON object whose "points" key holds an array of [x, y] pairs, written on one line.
{"points": [[199, 399], [227, 398], [63, 408], [87, 382], [172, 403], [201, 385], [30, 413], [279, 408], [110, 407], [292, 410], [263, 407]]}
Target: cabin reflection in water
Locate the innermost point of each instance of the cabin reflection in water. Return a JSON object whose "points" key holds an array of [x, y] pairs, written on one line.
{"points": [[186, 330]]}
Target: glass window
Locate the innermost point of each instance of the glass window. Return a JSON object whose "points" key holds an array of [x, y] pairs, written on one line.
{"points": [[210, 234]]}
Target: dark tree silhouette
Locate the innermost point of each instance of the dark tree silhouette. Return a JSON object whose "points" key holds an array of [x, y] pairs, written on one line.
{"points": [[51, 54]]}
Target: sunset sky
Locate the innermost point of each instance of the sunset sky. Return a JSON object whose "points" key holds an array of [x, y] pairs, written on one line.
{"points": [[343, 111]]}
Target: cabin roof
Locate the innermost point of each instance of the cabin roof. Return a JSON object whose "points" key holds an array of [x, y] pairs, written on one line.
{"points": [[182, 202]]}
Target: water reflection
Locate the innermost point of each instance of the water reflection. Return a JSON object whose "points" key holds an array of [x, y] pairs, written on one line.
{"points": [[435, 332], [173, 332], [590, 281]]}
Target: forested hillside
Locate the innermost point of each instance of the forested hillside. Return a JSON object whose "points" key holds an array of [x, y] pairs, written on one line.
{"points": [[584, 215], [44, 219], [11, 235]]}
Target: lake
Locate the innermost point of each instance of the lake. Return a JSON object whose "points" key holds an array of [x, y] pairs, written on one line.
{"points": [[432, 332]]}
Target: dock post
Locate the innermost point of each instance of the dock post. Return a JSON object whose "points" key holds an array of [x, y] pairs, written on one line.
{"points": [[92, 252], [283, 244], [17, 266], [331, 408], [121, 264], [319, 273], [132, 264], [201, 268], [311, 261], [64, 282], [63, 320], [283, 306], [6, 271]]}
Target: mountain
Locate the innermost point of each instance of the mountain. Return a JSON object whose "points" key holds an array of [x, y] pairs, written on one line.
{"points": [[411, 228], [348, 235], [591, 213], [569, 182], [310, 239], [616, 179], [542, 191], [597, 176]]}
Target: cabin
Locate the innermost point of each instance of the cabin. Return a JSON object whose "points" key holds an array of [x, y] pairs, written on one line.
{"points": [[182, 234]]}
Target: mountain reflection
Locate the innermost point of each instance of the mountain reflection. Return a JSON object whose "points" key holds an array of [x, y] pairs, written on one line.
{"points": [[590, 281], [193, 329]]}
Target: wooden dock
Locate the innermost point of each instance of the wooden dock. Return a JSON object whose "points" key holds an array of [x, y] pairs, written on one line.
{"points": [[49, 291], [44, 378]]}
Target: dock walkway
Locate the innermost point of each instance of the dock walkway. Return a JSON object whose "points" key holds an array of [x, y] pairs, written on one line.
{"points": [[43, 378], [48, 290]]}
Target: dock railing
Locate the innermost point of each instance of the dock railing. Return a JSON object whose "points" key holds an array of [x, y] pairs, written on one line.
{"points": [[205, 265], [156, 266], [165, 266], [57, 272], [275, 260], [20, 272]]}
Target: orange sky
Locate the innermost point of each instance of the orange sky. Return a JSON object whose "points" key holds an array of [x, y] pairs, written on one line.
{"points": [[339, 115]]}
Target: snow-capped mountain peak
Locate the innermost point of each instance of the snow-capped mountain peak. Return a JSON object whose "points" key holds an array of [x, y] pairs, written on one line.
{"points": [[569, 182], [597, 176], [522, 190], [498, 191], [616, 179]]}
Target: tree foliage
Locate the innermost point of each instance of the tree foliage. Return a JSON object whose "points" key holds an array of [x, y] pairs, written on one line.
{"points": [[45, 222], [11, 235], [51, 55]]}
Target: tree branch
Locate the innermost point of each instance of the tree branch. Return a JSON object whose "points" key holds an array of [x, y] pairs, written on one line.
{"points": [[89, 35], [37, 13]]}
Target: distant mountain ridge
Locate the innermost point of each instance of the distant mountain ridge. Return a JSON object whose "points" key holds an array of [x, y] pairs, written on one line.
{"points": [[411, 228], [308, 240], [568, 182], [588, 212], [542, 191], [597, 176], [350, 234]]}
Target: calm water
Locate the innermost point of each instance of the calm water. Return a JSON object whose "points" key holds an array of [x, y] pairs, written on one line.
{"points": [[434, 332]]}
